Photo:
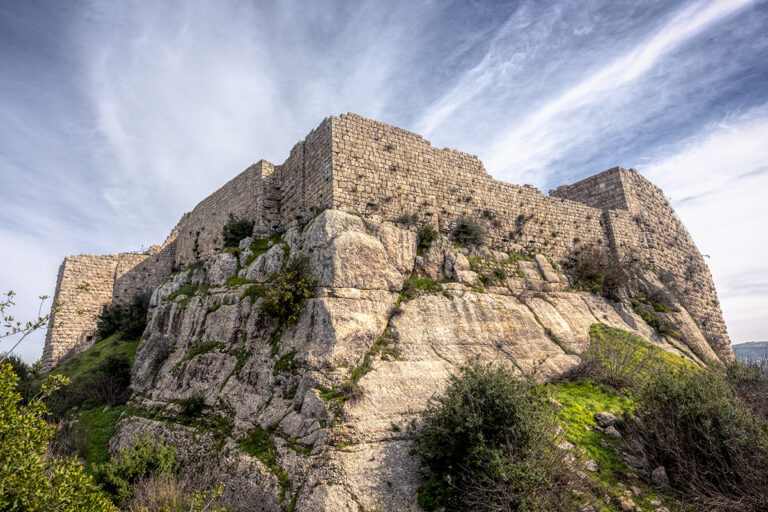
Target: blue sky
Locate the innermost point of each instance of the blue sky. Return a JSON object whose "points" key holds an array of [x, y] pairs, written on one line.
{"points": [[117, 117]]}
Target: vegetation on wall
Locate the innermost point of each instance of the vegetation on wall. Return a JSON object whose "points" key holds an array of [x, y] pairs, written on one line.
{"points": [[468, 233], [235, 230]]}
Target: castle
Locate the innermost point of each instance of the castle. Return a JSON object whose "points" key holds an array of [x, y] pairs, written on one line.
{"points": [[355, 164]]}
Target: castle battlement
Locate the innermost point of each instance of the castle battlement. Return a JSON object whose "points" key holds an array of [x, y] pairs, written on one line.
{"points": [[352, 163]]}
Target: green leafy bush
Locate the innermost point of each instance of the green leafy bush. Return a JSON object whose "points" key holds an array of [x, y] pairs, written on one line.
{"points": [[235, 230], [468, 233], [191, 407], [427, 235], [714, 449], [128, 321], [289, 289], [30, 480], [144, 458], [488, 440]]}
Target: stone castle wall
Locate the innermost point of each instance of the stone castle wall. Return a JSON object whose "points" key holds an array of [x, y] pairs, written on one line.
{"points": [[84, 284], [356, 164]]}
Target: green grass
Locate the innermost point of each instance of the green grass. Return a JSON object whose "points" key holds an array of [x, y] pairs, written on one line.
{"points": [[85, 363], [259, 247], [197, 349], [188, 289], [237, 281], [98, 427], [581, 400], [260, 445]]}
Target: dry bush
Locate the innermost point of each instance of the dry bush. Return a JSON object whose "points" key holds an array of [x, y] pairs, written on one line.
{"points": [[67, 441], [714, 450], [596, 270], [166, 493], [617, 358]]}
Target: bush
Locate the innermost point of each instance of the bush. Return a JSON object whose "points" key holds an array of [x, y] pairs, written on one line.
{"points": [[488, 440], [235, 230], [289, 289], [714, 450], [144, 458], [427, 235], [617, 358], [467, 232], [191, 407], [25, 386], [165, 493], [750, 383], [597, 271], [128, 321], [31, 479], [652, 317]]}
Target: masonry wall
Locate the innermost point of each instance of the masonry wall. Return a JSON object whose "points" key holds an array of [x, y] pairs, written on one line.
{"points": [[200, 231], [383, 170], [356, 164], [143, 277], [669, 246], [84, 284]]}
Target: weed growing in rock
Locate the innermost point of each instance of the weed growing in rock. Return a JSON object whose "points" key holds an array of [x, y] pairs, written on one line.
{"points": [[287, 293], [427, 235], [468, 233], [235, 230]]}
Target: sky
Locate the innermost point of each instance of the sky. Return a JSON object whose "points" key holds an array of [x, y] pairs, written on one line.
{"points": [[117, 117]]}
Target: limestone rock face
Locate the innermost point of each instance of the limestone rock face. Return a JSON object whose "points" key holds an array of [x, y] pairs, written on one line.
{"points": [[336, 451]]}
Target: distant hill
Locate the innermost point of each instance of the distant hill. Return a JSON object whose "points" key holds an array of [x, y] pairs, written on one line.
{"points": [[752, 350]]}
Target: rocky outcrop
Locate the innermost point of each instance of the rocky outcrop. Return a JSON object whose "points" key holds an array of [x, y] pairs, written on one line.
{"points": [[329, 398]]}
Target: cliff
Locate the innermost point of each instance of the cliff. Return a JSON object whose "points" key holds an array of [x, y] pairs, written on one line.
{"points": [[313, 414]]}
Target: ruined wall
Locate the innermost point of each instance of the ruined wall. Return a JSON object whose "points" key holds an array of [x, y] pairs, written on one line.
{"points": [[83, 286], [144, 276], [380, 169]]}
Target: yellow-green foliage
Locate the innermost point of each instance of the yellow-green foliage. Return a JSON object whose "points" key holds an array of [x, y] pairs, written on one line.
{"points": [[28, 479]]}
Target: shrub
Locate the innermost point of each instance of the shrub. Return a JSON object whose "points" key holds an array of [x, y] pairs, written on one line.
{"points": [[488, 440], [467, 232], [427, 235], [714, 450], [618, 358], [597, 271], [413, 286], [166, 493], [144, 458], [750, 383], [289, 289], [191, 407], [25, 386], [660, 324], [408, 219], [128, 321], [235, 230], [30, 478]]}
